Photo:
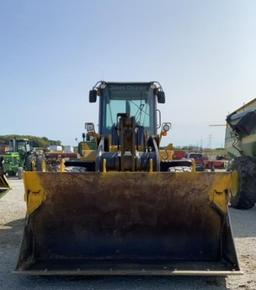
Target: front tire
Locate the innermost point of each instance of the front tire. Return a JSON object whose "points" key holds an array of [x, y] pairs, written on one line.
{"points": [[245, 196]]}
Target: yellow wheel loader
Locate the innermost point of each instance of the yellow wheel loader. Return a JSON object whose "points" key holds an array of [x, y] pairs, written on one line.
{"points": [[123, 210]]}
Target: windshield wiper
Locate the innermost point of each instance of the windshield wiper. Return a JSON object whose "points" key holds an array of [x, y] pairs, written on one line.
{"points": [[140, 108]]}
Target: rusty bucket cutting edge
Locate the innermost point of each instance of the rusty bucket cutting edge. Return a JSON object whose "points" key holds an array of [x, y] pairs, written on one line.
{"points": [[127, 223]]}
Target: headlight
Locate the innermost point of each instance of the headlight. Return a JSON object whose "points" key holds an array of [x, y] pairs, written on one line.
{"points": [[166, 127]]}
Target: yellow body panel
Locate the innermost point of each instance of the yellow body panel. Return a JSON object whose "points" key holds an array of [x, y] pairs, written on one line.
{"points": [[34, 191], [234, 183], [89, 155], [166, 153], [220, 191]]}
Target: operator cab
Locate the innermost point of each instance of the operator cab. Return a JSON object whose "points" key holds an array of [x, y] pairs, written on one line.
{"points": [[137, 100]]}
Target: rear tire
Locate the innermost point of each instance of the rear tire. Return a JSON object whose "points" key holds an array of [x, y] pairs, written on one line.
{"points": [[245, 197]]}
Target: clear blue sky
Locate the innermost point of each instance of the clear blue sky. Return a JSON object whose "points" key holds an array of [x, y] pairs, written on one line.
{"points": [[52, 52]]}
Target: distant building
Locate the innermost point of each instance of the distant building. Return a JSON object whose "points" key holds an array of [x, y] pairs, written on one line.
{"points": [[68, 149], [55, 148]]}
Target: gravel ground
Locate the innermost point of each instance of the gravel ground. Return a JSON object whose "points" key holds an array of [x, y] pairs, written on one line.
{"points": [[12, 212]]}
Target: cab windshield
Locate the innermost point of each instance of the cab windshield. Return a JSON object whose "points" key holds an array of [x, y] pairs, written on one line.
{"points": [[137, 102]]}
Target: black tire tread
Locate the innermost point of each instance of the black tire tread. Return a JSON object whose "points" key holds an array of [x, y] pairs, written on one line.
{"points": [[246, 195]]}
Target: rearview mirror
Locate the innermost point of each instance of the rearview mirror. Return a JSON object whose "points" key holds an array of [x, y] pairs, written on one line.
{"points": [[92, 96], [161, 97]]}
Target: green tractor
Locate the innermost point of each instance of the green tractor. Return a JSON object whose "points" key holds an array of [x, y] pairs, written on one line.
{"points": [[12, 164], [14, 160]]}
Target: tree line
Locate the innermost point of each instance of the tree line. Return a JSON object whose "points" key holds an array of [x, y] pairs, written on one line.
{"points": [[42, 142]]}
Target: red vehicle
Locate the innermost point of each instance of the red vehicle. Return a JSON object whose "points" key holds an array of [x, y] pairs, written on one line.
{"points": [[179, 154], [199, 160], [215, 164]]}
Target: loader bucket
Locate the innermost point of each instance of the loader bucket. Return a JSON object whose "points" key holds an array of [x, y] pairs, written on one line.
{"points": [[127, 223], [4, 185]]}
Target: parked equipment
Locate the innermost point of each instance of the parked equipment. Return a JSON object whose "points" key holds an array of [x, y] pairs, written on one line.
{"points": [[199, 160], [15, 159], [4, 185], [127, 214], [11, 163], [240, 143]]}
